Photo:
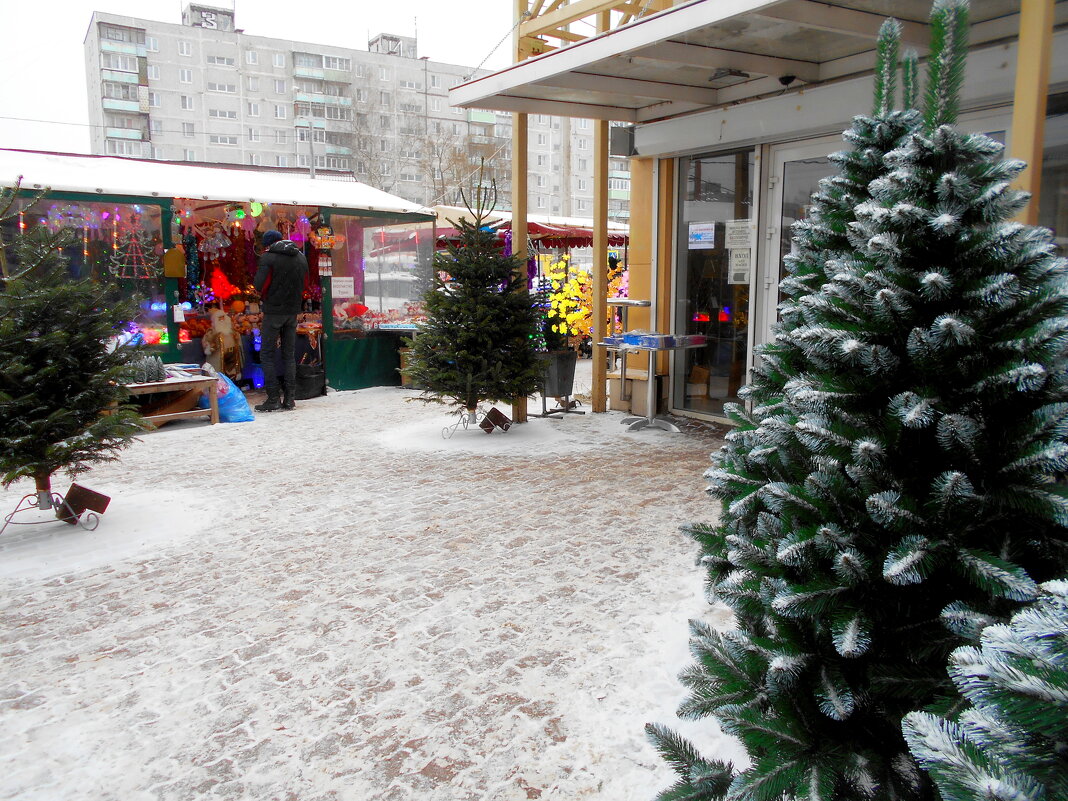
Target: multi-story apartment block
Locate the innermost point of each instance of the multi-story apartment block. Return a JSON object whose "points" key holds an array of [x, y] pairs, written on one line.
{"points": [[206, 91]]}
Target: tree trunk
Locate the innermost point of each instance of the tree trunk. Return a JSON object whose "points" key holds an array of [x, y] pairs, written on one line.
{"points": [[44, 490]]}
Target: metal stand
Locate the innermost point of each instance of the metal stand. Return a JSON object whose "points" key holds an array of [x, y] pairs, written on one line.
{"points": [[54, 501], [463, 418], [566, 409]]}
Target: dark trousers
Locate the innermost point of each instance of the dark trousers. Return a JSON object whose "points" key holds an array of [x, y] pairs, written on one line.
{"points": [[273, 328]]}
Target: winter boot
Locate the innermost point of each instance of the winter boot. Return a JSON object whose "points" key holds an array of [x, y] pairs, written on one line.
{"points": [[271, 404], [289, 401]]}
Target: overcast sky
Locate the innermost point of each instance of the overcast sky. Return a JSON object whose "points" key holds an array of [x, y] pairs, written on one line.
{"points": [[43, 64]]}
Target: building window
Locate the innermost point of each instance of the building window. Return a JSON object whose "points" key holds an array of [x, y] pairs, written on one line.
{"points": [[583, 143], [188, 129], [541, 202], [411, 176], [185, 48], [279, 59], [189, 155], [253, 134], [337, 163], [124, 147], [187, 103], [220, 139], [221, 61], [254, 109], [224, 88], [222, 114], [280, 137], [383, 74], [252, 57], [542, 159], [383, 145], [119, 62], [185, 75], [360, 95], [383, 99], [383, 122], [252, 83], [583, 165], [435, 81], [582, 205], [153, 99], [119, 91], [541, 139], [621, 184], [435, 104], [337, 63], [254, 159], [582, 184], [279, 112], [151, 44], [280, 86], [583, 124], [153, 72], [156, 126], [281, 161], [407, 83]]}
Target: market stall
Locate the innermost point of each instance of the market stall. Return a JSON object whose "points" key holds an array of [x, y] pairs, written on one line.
{"points": [[182, 240]]}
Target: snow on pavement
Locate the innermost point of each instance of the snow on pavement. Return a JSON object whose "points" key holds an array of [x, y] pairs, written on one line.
{"points": [[338, 603]]}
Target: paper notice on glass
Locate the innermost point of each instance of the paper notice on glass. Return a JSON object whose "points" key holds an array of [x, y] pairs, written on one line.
{"points": [[342, 287], [702, 235], [179, 313], [739, 236], [740, 266]]}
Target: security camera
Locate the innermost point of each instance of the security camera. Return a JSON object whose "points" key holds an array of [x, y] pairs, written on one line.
{"points": [[786, 80]]}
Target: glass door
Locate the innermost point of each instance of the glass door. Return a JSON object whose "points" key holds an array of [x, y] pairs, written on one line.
{"points": [[716, 248]]}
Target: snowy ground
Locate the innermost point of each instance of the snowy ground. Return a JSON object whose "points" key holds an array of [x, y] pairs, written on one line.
{"points": [[338, 603]]}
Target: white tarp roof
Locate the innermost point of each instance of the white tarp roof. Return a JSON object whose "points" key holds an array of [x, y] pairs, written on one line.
{"points": [[104, 175]]}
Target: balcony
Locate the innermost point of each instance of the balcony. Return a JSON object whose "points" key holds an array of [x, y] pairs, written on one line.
{"points": [[481, 116], [309, 72], [326, 100], [118, 77], [111, 104], [337, 76], [107, 46], [124, 133], [338, 150], [619, 194]]}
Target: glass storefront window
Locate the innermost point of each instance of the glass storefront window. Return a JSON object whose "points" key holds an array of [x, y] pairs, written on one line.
{"points": [[716, 261], [119, 244], [1053, 201], [384, 271]]}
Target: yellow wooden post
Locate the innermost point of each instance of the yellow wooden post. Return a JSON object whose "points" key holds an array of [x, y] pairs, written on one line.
{"points": [[519, 190], [1029, 104], [600, 249]]}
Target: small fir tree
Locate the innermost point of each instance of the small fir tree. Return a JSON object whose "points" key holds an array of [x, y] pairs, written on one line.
{"points": [[57, 375], [478, 340], [1012, 744], [892, 490]]}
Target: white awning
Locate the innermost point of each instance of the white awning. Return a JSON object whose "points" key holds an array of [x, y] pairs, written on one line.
{"points": [[713, 53], [105, 175]]}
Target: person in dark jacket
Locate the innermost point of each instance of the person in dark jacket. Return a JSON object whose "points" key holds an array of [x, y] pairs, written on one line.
{"points": [[280, 282]]}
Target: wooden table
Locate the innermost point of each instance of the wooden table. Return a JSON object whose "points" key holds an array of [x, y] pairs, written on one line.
{"points": [[190, 389]]}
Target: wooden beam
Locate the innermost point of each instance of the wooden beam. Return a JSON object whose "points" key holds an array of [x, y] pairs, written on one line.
{"points": [[826, 17], [566, 36], [713, 58], [600, 249], [657, 90], [577, 10], [1033, 54]]}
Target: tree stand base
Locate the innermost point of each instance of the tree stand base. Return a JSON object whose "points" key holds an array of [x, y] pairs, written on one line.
{"points": [[42, 501]]}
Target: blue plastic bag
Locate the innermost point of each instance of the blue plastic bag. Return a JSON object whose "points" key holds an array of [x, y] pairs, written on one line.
{"points": [[233, 407]]}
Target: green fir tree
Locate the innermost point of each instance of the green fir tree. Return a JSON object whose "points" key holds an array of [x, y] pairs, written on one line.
{"points": [[1012, 743], [891, 491], [57, 375], [478, 340]]}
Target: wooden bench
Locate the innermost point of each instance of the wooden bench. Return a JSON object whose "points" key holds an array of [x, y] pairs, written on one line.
{"points": [[182, 405]]}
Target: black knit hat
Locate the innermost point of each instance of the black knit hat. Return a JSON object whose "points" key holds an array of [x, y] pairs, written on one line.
{"points": [[270, 237]]}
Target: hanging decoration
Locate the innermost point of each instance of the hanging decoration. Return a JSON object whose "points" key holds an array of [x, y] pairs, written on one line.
{"points": [[133, 253]]}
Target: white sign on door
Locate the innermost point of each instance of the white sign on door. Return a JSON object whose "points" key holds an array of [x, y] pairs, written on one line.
{"points": [[342, 287], [741, 265], [739, 235]]}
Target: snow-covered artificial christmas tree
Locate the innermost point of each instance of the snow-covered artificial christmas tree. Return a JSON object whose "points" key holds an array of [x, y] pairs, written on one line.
{"points": [[478, 340], [57, 373], [892, 489], [1012, 744]]}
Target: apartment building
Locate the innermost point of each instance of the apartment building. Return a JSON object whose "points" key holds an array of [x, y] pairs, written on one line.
{"points": [[204, 90]]}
